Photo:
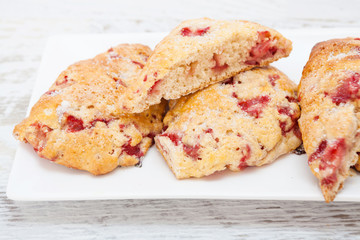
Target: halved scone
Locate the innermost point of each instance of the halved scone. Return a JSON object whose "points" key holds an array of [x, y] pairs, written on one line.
{"points": [[201, 52]]}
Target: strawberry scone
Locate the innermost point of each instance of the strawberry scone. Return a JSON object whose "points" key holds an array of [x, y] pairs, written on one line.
{"points": [[247, 120], [79, 122], [330, 100], [201, 52]]}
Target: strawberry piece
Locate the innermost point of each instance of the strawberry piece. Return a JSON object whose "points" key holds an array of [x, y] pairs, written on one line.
{"points": [[218, 67], [262, 50], [296, 130], [246, 155], [318, 152], [285, 128], [273, 78], [291, 99], [286, 111], [164, 128], [154, 86], [138, 63], [187, 32], [73, 124], [192, 151], [254, 106], [348, 90], [209, 130], [175, 138], [41, 132], [132, 150], [151, 135], [331, 156]]}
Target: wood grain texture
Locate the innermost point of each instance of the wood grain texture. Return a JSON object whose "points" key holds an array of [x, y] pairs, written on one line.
{"points": [[24, 28]]}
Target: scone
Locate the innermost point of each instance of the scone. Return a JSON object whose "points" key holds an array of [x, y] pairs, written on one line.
{"points": [[201, 52], [330, 99], [247, 120], [79, 122]]}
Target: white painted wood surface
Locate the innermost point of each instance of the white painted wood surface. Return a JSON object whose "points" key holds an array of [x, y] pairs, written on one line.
{"points": [[24, 28]]}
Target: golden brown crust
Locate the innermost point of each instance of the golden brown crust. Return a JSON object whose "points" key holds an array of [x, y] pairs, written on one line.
{"points": [[248, 120], [79, 122], [329, 99], [201, 52]]}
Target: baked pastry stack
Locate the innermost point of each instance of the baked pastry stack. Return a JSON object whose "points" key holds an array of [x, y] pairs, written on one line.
{"points": [[103, 112], [80, 121], [330, 98]]}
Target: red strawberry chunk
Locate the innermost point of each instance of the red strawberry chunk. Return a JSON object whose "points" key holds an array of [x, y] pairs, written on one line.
{"points": [[175, 138], [291, 99], [154, 87], [209, 130], [348, 90], [331, 156], [284, 126], [41, 132], [262, 50], [132, 150], [219, 67], [297, 131], [254, 106], [192, 151], [138, 63], [187, 32], [273, 78], [73, 124], [151, 135], [246, 155], [318, 152]]}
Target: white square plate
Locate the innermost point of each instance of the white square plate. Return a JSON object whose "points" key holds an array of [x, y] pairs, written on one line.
{"points": [[288, 178]]}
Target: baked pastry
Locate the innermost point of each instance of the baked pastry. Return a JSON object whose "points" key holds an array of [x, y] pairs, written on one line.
{"points": [[247, 120], [329, 98], [357, 165], [201, 52], [79, 122]]}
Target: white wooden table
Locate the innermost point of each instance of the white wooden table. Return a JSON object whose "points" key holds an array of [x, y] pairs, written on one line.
{"points": [[24, 28]]}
